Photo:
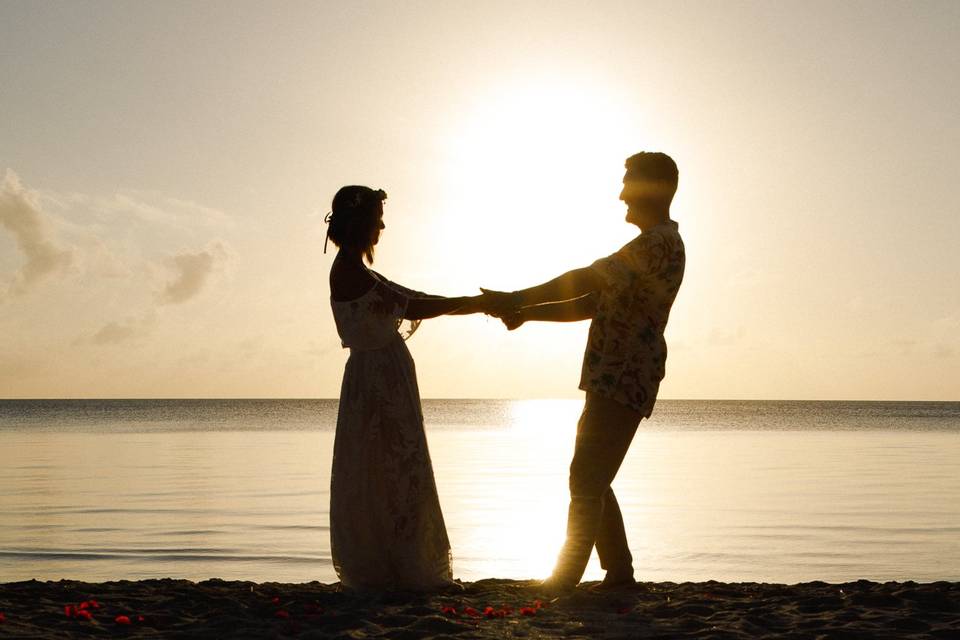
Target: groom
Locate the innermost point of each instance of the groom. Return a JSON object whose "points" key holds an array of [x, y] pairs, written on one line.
{"points": [[627, 296]]}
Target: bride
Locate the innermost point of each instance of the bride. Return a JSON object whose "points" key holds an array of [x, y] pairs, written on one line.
{"points": [[386, 526]]}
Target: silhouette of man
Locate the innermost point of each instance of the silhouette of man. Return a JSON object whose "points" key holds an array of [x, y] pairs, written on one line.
{"points": [[627, 296]]}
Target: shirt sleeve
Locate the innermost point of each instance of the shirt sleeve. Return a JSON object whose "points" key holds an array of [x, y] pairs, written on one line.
{"points": [[613, 269], [642, 256]]}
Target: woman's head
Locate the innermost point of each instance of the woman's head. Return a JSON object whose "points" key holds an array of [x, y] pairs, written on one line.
{"points": [[356, 218]]}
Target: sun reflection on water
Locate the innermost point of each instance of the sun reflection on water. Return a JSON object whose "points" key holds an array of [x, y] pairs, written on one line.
{"points": [[515, 526]]}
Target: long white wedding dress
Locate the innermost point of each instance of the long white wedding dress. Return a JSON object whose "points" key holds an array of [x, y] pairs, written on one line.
{"points": [[386, 526]]}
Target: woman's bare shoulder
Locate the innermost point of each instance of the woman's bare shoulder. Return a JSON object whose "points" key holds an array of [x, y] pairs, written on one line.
{"points": [[349, 281]]}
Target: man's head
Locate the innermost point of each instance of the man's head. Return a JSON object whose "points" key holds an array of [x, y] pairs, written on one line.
{"points": [[648, 188]]}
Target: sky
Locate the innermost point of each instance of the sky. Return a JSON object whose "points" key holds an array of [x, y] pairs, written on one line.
{"points": [[165, 170]]}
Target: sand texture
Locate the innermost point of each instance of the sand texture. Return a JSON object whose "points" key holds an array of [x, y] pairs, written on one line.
{"points": [[485, 609]]}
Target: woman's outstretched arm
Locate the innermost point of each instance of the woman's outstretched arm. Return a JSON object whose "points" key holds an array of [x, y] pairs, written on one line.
{"points": [[424, 308]]}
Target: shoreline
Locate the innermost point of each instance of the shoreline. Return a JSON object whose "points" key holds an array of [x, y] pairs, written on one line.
{"points": [[491, 608]]}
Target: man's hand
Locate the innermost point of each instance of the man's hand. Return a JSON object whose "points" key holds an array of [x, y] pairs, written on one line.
{"points": [[513, 320]]}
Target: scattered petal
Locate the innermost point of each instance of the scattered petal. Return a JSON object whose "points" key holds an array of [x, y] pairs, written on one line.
{"points": [[282, 613], [528, 611], [473, 613], [448, 611], [122, 620], [83, 614], [3, 618]]}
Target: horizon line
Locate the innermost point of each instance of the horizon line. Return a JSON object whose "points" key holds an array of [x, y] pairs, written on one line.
{"points": [[303, 398]]}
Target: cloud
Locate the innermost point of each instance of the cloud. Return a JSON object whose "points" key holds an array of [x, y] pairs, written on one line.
{"points": [[127, 330], [21, 215], [115, 332], [193, 272]]}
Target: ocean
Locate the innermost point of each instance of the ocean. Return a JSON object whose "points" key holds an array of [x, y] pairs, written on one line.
{"points": [[711, 490]]}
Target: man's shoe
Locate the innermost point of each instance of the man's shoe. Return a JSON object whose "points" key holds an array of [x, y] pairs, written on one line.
{"points": [[614, 583]]}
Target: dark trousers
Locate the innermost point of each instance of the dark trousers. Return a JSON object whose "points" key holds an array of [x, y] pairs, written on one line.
{"points": [[604, 433]]}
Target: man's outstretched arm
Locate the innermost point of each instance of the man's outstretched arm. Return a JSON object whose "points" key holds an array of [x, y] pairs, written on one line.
{"points": [[582, 308], [570, 285]]}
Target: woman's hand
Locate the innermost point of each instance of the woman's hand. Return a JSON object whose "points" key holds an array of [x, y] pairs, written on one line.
{"points": [[499, 303]]}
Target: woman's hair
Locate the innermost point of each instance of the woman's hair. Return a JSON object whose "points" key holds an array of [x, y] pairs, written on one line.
{"points": [[354, 215]]}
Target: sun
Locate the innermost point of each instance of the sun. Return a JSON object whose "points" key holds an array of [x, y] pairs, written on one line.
{"points": [[535, 169]]}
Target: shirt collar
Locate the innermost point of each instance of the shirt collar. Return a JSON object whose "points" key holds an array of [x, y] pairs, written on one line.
{"points": [[666, 224]]}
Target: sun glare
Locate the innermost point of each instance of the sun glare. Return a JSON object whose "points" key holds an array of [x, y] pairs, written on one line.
{"points": [[530, 163]]}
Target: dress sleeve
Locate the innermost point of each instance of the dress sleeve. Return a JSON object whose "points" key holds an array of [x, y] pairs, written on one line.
{"points": [[388, 302], [396, 298], [410, 293]]}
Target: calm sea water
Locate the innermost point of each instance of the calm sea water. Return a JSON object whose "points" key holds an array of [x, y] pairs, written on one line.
{"points": [[239, 489]]}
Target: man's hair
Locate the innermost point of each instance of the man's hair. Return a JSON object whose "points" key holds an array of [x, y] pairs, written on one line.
{"points": [[653, 165], [656, 168], [354, 214]]}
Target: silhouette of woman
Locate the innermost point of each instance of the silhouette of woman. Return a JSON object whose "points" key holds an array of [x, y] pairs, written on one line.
{"points": [[386, 527]]}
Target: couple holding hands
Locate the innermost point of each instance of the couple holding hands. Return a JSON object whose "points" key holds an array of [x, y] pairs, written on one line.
{"points": [[386, 526]]}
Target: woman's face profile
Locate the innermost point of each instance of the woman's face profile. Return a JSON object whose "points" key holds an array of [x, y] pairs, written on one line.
{"points": [[378, 227]]}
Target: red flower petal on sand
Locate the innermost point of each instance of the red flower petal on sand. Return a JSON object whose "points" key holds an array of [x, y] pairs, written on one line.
{"points": [[448, 611], [3, 618], [473, 613], [69, 610], [276, 600], [83, 614], [528, 611], [489, 612], [122, 620], [141, 619], [538, 604], [281, 613]]}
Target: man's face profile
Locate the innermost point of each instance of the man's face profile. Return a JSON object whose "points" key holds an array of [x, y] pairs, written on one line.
{"points": [[639, 193]]}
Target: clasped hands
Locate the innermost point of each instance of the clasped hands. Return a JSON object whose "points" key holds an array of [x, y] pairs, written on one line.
{"points": [[500, 304]]}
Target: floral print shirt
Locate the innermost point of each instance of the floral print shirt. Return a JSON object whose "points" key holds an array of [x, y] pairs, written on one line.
{"points": [[626, 353]]}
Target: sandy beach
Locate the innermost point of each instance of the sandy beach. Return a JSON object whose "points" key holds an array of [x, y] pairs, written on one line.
{"points": [[485, 609]]}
